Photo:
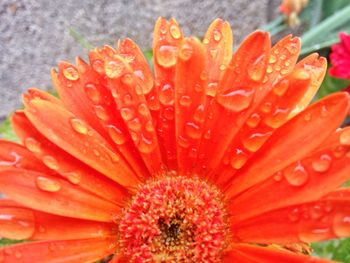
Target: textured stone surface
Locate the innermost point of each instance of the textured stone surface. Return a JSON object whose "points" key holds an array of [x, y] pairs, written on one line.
{"points": [[34, 34]]}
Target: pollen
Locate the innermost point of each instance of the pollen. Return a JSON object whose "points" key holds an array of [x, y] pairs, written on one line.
{"points": [[174, 219]]}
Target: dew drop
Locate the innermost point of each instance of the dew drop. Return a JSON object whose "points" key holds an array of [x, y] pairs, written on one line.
{"points": [[277, 118], [312, 234], [192, 130], [127, 99], [281, 87], [253, 120], [322, 164], [166, 94], [207, 135], [307, 116], [213, 52], [50, 162], [301, 74], [294, 215], [114, 68], [101, 112], [127, 79], [254, 141], [97, 65], [92, 92], [345, 137], [47, 184], [73, 177], [32, 145], [236, 99], [166, 56], [316, 211], [222, 67], [272, 59], [183, 142], [278, 176], [339, 151], [143, 109], [71, 73], [168, 113], [149, 126], [117, 135], [186, 52], [292, 48], [185, 101], [296, 175], [238, 159], [266, 107], [18, 254], [217, 35], [175, 31], [126, 113], [146, 145], [134, 124], [256, 71], [212, 88], [199, 114], [341, 224], [79, 126], [153, 103]]}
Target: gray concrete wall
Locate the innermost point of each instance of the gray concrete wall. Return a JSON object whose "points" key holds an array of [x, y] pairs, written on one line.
{"points": [[34, 34]]}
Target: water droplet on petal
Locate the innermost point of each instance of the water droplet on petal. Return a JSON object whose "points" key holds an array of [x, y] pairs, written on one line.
{"points": [[254, 141], [212, 88], [345, 137], [183, 142], [213, 52], [117, 135], [292, 48], [339, 151], [216, 35], [199, 114], [79, 126], [192, 130], [236, 99], [71, 73], [127, 79], [73, 177], [253, 120], [50, 162], [272, 59], [341, 224], [134, 124], [322, 164], [97, 65], [186, 52], [47, 184], [278, 176], [239, 159], [32, 145], [296, 175], [316, 211], [92, 92], [114, 68], [294, 215], [256, 70], [278, 118], [309, 233], [166, 94], [143, 109], [266, 107], [168, 113], [307, 116], [166, 56], [101, 113], [175, 31], [281, 87], [127, 113], [149, 126], [185, 101], [146, 145]]}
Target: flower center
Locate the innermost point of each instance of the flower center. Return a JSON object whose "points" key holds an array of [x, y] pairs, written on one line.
{"points": [[174, 219]]}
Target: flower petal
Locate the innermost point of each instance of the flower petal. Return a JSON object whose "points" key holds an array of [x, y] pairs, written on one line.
{"points": [[244, 253], [20, 222], [61, 198], [218, 45], [322, 171], [77, 138], [233, 98], [15, 155], [308, 128], [190, 97], [167, 38], [134, 111], [62, 251], [61, 162]]}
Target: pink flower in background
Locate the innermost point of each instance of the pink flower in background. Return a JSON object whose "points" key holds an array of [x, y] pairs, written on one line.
{"points": [[340, 58]]}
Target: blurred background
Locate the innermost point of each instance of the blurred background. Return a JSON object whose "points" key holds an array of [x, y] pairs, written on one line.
{"points": [[36, 34]]}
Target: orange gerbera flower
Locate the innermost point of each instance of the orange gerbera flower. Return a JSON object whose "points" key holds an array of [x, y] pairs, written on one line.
{"points": [[214, 159]]}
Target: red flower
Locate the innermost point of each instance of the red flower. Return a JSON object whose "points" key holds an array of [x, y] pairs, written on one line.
{"points": [[340, 58], [214, 159]]}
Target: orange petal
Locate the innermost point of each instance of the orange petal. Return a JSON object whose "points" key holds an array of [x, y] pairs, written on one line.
{"points": [[72, 251], [218, 45], [308, 128], [317, 68], [272, 113], [244, 253], [34, 93], [308, 222], [303, 181], [167, 38], [190, 97], [61, 198], [89, 99], [78, 139], [67, 166], [247, 66], [15, 155], [19, 222], [134, 111]]}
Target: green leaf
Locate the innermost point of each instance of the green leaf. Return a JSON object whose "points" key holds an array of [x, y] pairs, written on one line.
{"points": [[6, 131], [337, 249], [330, 85], [6, 242]]}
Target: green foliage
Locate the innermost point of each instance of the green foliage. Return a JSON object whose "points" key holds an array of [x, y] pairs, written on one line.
{"points": [[338, 249], [331, 85], [6, 242], [6, 131]]}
